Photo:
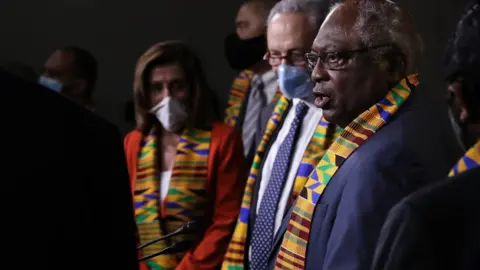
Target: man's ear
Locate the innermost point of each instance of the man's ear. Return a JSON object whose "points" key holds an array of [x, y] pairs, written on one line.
{"points": [[395, 67], [80, 87], [461, 105], [464, 115]]}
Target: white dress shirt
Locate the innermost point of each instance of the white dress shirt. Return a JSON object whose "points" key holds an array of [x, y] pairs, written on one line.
{"points": [[306, 131], [164, 184]]}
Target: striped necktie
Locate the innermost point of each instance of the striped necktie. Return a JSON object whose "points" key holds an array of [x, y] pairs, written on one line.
{"points": [[255, 104], [263, 229]]}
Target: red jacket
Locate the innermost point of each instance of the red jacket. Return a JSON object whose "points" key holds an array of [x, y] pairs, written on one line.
{"points": [[226, 174]]}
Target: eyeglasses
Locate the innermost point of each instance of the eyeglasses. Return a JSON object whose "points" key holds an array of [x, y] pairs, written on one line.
{"points": [[336, 60], [275, 59]]}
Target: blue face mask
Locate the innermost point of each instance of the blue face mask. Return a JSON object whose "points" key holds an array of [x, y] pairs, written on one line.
{"points": [[294, 82], [51, 84]]}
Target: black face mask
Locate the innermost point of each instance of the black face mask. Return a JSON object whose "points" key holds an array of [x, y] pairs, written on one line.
{"points": [[242, 54]]}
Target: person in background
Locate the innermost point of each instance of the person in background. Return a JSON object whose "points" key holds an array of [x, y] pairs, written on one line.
{"points": [[71, 71], [396, 138], [183, 164], [256, 84], [438, 227], [21, 70], [294, 140]]}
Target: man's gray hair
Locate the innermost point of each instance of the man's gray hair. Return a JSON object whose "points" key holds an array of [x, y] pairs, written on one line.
{"points": [[314, 10], [382, 22]]}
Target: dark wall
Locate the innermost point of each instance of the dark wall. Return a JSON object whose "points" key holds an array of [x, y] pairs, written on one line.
{"points": [[435, 20], [118, 32]]}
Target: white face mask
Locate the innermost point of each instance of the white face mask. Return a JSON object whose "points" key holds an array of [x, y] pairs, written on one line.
{"points": [[171, 113]]}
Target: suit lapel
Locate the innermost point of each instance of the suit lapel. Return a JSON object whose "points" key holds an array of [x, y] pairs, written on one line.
{"points": [[241, 114], [279, 235]]}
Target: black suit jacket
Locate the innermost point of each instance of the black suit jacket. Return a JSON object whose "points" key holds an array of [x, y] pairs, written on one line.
{"points": [[67, 202], [416, 146], [435, 228]]}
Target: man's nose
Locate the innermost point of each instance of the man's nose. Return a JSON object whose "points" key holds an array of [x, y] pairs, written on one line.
{"points": [[163, 93], [319, 73], [285, 61]]}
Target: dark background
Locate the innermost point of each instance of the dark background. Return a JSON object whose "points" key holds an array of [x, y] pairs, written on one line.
{"points": [[117, 33]]}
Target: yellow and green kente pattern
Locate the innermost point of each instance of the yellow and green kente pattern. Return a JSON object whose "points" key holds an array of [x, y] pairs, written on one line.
{"points": [[184, 201]]}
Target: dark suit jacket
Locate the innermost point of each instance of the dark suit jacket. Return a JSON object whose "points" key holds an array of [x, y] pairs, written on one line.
{"points": [[67, 203], [417, 145], [265, 115], [435, 228], [261, 126]]}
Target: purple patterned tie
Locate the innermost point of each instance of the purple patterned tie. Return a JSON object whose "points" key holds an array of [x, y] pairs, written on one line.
{"points": [[263, 229]]}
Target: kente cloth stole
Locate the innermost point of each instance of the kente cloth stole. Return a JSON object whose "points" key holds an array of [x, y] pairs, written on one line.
{"points": [[470, 160], [238, 94], [185, 201], [292, 253], [322, 138]]}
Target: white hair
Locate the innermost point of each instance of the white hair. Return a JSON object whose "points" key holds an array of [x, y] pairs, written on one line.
{"points": [[381, 22], [315, 11]]}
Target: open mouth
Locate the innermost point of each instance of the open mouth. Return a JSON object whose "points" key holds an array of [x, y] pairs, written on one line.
{"points": [[321, 100]]}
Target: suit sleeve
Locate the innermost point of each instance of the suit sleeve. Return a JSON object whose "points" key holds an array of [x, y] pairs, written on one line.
{"points": [[265, 115], [380, 183], [403, 242], [131, 144], [126, 141], [230, 182]]}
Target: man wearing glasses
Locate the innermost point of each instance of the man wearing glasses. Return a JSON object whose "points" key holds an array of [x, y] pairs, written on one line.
{"points": [[294, 138], [256, 85], [395, 139]]}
